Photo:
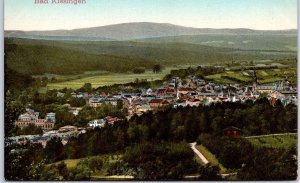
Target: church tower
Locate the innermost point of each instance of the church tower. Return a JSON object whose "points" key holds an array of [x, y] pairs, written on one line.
{"points": [[254, 80]]}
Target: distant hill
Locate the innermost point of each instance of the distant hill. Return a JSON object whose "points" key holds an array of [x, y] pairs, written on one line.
{"points": [[52, 36], [280, 42], [139, 30]]}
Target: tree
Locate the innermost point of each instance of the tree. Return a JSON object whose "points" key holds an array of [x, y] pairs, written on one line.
{"points": [[12, 111], [82, 171], [209, 172], [54, 150], [31, 129], [217, 125], [95, 164], [50, 173], [138, 70], [156, 68], [270, 164], [203, 124], [24, 164], [164, 161], [63, 170], [77, 102], [87, 87]]}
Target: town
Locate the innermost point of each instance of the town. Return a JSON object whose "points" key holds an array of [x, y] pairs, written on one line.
{"points": [[175, 93]]}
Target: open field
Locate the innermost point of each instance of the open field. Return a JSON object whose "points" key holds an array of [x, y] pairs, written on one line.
{"points": [[71, 163], [102, 78], [102, 174], [283, 141], [211, 158], [264, 76], [107, 79]]}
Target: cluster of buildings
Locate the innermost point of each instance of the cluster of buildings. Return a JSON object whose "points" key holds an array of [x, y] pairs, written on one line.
{"points": [[64, 133], [32, 117], [174, 93], [101, 122], [193, 92]]}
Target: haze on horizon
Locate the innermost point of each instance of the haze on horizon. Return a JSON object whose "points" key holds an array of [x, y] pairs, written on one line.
{"points": [[252, 14]]}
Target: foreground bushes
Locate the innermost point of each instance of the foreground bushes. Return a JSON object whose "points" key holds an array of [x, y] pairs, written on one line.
{"points": [[252, 163], [165, 161]]}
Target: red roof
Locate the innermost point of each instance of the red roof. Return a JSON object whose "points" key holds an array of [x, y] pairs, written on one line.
{"points": [[193, 100], [102, 94], [110, 119], [164, 102], [273, 101], [185, 89], [184, 98], [159, 101], [165, 91]]}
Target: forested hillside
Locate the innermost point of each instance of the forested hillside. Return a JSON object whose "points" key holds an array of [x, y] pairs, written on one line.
{"points": [[243, 41], [36, 57]]}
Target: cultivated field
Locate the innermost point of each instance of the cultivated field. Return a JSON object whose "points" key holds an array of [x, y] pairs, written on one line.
{"points": [[264, 76], [106, 79], [282, 141]]}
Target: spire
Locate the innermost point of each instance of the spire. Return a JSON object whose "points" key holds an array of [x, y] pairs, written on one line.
{"points": [[254, 80]]}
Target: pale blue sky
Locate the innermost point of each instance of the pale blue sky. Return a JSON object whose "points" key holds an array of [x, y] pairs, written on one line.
{"points": [[254, 14]]}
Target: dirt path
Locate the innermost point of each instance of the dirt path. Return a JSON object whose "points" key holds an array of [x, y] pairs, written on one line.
{"points": [[203, 159]]}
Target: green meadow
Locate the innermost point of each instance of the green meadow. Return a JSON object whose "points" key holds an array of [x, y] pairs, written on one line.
{"points": [[264, 76], [98, 175], [211, 158], [106, 79], [283, 141]]}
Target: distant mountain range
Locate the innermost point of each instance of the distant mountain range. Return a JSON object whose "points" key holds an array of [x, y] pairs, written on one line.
{"points": [[132, 31]]}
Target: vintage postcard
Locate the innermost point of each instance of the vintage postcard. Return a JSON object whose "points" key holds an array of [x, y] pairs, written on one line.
{"points": [[125, 90]]}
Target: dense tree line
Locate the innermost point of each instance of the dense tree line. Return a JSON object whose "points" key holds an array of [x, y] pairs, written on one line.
{"points": [[12, 110], [231, 153], [30, 60], [30, 162], [270, 164], [199, 71], [39, 57], [23, 162], [99, 141], [188, 123], [252, 163], [31, 129], [16, 80], [164, 161]]}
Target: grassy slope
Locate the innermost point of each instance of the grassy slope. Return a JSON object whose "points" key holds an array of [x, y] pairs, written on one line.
{"points": [[109, 79], [285, 141], [211, 157], [38, 59], [71, 164]]}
